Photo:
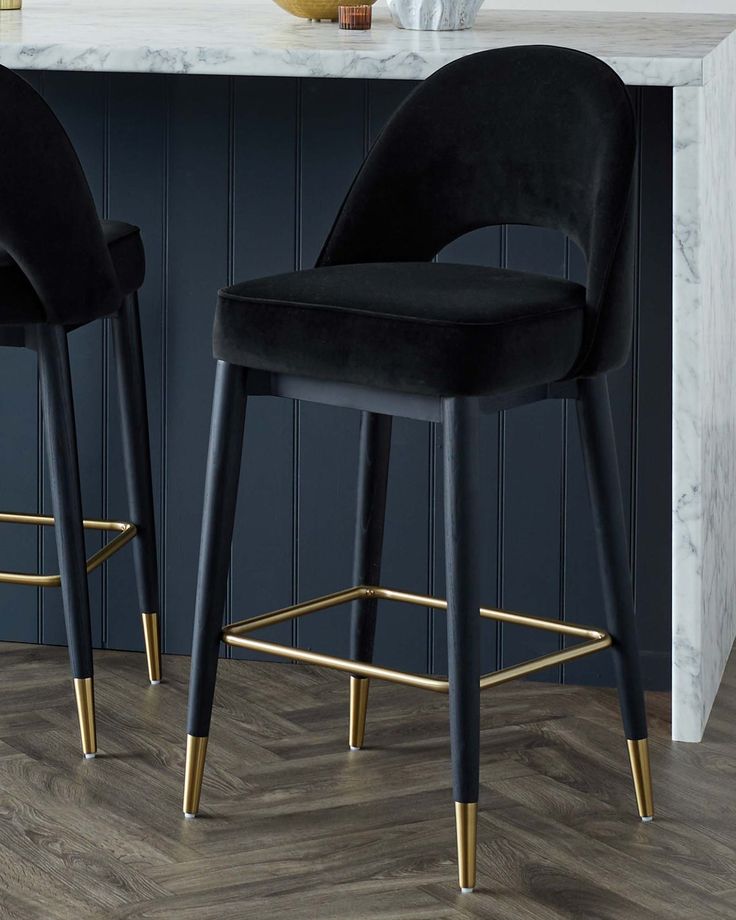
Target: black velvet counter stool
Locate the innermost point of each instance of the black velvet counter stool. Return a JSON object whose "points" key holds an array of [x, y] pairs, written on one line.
{"points": [[532, 135], [60, 268]]}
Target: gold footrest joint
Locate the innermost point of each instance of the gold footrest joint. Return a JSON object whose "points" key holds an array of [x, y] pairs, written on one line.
{"points": [[153, 647], [125, 533], [84, 692], [466, 825], [238, 634], [642, 775], [193, 773]]}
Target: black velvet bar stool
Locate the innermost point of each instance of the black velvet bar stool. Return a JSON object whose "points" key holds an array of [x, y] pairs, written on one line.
{"points": [[60, 268], [531, 135]]}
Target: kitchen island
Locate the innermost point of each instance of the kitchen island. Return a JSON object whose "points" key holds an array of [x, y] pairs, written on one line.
{"points": [[229, 132]]}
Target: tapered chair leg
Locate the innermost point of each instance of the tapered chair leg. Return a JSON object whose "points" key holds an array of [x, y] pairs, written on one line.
{"points": [[137, 461], [221, 491], [63, 463], [601, 463], [462, 548], [375, 448]]}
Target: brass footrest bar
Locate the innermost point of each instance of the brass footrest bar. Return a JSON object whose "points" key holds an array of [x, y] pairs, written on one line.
{"points": [[125, 533], [237, 634]]}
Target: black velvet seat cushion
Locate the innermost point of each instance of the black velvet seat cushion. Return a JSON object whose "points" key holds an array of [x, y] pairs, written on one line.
{"points": [[18, 300], [415, 327]]}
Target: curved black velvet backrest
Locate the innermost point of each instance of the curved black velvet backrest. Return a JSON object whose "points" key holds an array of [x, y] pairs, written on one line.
{"points": [[48, 221], [534, 135]]}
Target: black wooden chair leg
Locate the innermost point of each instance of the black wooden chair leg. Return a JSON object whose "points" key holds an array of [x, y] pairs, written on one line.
{"points": [[375, 449], [62, 458], [460, 421], [604, 484], [220, 497], [137, 461]]}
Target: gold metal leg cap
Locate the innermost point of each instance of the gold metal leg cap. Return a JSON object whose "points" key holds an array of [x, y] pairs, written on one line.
{"points": [[642, 776], [84, 691], [359, 687], [466, 824], [193, 773], [153, 647]]}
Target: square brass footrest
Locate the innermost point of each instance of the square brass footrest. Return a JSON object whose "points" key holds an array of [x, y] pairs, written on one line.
{"points": [[238, 634], [125, 533]]}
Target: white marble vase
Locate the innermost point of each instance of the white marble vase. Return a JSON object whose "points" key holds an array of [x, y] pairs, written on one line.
{"points": [[434, 15]]}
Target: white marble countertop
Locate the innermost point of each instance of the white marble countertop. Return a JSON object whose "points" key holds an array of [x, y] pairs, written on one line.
{"points": [[255, 37]]}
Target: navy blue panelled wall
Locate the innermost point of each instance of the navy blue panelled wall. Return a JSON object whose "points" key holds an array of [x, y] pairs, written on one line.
{"points": [[232, 178]]}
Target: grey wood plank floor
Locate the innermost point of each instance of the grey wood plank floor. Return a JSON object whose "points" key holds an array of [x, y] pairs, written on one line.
{"points": [[295, 827]]}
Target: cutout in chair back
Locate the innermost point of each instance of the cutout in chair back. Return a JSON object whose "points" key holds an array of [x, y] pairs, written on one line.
{"points": [[532, 135]]}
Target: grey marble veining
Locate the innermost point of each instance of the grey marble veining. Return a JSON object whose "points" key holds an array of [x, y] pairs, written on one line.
{"points": [[704, 391], [255, 37]]}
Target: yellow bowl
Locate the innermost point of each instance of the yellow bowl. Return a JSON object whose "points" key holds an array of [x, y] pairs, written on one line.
{"points": [[316, 9]]}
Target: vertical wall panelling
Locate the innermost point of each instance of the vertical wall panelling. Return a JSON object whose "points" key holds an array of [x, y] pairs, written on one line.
{"points": [[197, 265], [136, 193], [19, 546], [264, 158], [233, 178], [333, 127], [652, 550], [641, 398]]}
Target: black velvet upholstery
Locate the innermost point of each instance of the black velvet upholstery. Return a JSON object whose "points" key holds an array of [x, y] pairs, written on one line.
{"points": [[417, 327], [19, 302], [536, 135], [48, 223]]}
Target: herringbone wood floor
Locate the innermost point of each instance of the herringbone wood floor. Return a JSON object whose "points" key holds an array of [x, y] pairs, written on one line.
{"points": [[296, 827]]}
